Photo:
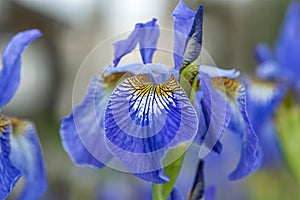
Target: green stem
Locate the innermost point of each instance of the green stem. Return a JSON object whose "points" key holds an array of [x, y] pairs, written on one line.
{"points": [[156, 192], [162, 191]]}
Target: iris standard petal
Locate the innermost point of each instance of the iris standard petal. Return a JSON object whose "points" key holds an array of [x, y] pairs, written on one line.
{"points": [[217, 115], [26, 155], [143, 120], [263, 53], [11, 60], [82, 132], [288, 44], [140, 35], [9, 175], [123, 47], [183, 20], [149, 33], [270, 70], [250, 158]]}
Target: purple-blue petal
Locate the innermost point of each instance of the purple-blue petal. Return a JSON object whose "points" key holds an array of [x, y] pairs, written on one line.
{"points": [[210, 193], [214, 71], [123, 47], [263, 98], [82, 131], [263, 53], [9, 175], [11, 60], [183, 21], [288, 44], [216, 113], [143, 121], [251, 157], [270, 70], [148, 33], [26, 155], [176, 195]]}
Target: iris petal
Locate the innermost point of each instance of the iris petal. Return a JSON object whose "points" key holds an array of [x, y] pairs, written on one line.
{"points": [[82, 132], [10, 72], [210, 193], [250, 158], [141, 34], [263, 53], [26, 155], [123, 47], [175, 195], [149, 33], [82, 124], [216, 113], [144, 120], [263, 99], [9, 175], [288, 44], [183, 21], [214, 71]]}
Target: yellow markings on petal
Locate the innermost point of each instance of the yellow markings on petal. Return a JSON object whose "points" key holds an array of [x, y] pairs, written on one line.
{"points": [[3, 123], [230, 86], [110, 80], [18, 126], [143, 86]]}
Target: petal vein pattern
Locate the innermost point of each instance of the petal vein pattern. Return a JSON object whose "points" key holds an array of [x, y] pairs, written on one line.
{"points": [[143, 120]]}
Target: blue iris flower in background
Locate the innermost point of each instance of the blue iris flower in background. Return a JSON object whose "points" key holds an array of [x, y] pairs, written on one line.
{"points": [[277, 73], [139, 111], [20, 152], [284, 64]]}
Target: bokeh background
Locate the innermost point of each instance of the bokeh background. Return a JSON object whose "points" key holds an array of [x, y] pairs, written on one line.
{"points": [[72, 28]]}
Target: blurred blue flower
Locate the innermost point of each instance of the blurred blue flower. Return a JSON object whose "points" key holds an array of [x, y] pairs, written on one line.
{"points": [[137, 112], [20, 152], [277, 73], [284, 64]]}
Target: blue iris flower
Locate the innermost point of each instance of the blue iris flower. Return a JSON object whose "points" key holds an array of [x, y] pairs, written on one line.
{"points": [[20, 152], [277, 72], [137, 112], [284, 64]]}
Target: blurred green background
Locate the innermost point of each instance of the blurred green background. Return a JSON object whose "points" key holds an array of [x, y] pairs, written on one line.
{"points": [[72, 28]]}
